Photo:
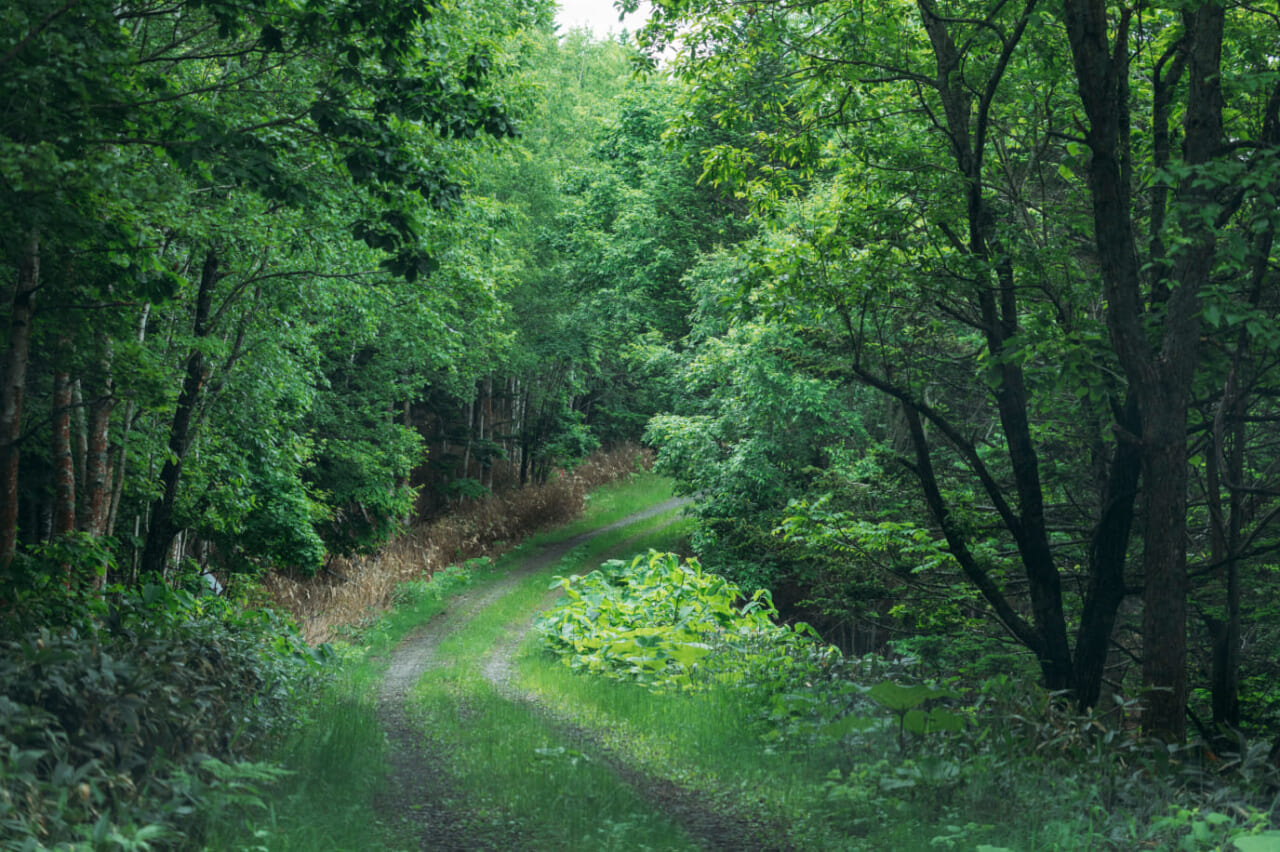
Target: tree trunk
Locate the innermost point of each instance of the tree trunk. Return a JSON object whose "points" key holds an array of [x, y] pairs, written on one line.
{"points": [[1107, 551], [1229, 441], [1225, 528], [1164, 601], [116, 470], [513, 425], [466, 452], [79, 438], [96, 484], [1159, 375], [1164, 620], [161, 530], [13, 376], [488, 407], [525, 436], [97, 479], [64, 472], [997, 302]]}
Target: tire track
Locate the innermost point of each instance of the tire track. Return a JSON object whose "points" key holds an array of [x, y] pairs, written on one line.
{"points": [[418, 797], [715, 830]]}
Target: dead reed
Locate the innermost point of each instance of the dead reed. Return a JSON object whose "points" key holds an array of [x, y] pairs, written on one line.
{"points": [[350, 591]]}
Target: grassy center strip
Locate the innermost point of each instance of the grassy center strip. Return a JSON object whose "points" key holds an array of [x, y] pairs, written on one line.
{"points": [[514, 767], [337, 755]]}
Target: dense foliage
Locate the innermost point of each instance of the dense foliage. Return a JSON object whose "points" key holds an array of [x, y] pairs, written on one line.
{"points": [[136, 726], [956, 319], [1005, 333]]}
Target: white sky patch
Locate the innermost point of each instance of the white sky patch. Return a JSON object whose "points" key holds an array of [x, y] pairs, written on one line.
{"points": [[599, 16]]}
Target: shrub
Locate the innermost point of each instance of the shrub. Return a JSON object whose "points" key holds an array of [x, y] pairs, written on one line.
{"points": [[664, 622], [132, 728]]}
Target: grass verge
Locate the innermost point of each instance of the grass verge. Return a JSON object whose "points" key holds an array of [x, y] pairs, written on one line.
{"points": [[1007, 769], [337, 755], [517, 771]]}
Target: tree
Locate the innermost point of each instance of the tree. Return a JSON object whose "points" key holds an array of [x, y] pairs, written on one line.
{"points": [[951, 260], [180, 163]]}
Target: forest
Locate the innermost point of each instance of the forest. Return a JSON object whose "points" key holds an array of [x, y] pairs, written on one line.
{"points": [[955, 323]]}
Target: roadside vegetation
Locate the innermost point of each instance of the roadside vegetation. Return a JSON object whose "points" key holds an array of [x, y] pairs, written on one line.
{"points": [[650, 663], [957, 323], [156, 717], [875, 752], [142, 721], [336, 763]]}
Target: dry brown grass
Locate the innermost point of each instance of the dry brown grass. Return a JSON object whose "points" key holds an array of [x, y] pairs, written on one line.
{"points": [[350, 591]]}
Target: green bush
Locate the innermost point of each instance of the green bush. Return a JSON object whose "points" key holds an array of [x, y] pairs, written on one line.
{"points": [[133, 727], [668, 623]]}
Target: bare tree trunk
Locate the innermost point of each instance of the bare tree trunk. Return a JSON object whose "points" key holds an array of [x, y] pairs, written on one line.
{"points": [[406, 420], [1229, 443], [97, 479], [116, 470], [64, 472], [488, 402], [967, 120], [79, 437], [13, 376], [524, 437], [1226, 460], [466, 453], [160, 533], [513, 388], [1160, 375], [1107, 552]]}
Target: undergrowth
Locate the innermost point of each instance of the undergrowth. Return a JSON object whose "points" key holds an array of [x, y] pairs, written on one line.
{"points": [[337, 764], [135, 725], [156, 718], [864, 753], [352, 591]]}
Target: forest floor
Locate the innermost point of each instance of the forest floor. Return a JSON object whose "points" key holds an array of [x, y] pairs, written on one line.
{"points": [[423, 802]]}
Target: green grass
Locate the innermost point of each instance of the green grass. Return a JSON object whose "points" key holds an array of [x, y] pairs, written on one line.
{"points": [[611, 503], [824, 797], [338, 761], [519, 776], [1022, 782], [337, 756], [515, 768], [707, 741]]}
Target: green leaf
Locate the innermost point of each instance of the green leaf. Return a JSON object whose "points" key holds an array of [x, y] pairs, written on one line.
{"points": [[1268, 841], [898, 698]]}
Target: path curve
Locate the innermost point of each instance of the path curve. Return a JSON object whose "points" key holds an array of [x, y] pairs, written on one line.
{"points": [[713, 829], [418, 794]]}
